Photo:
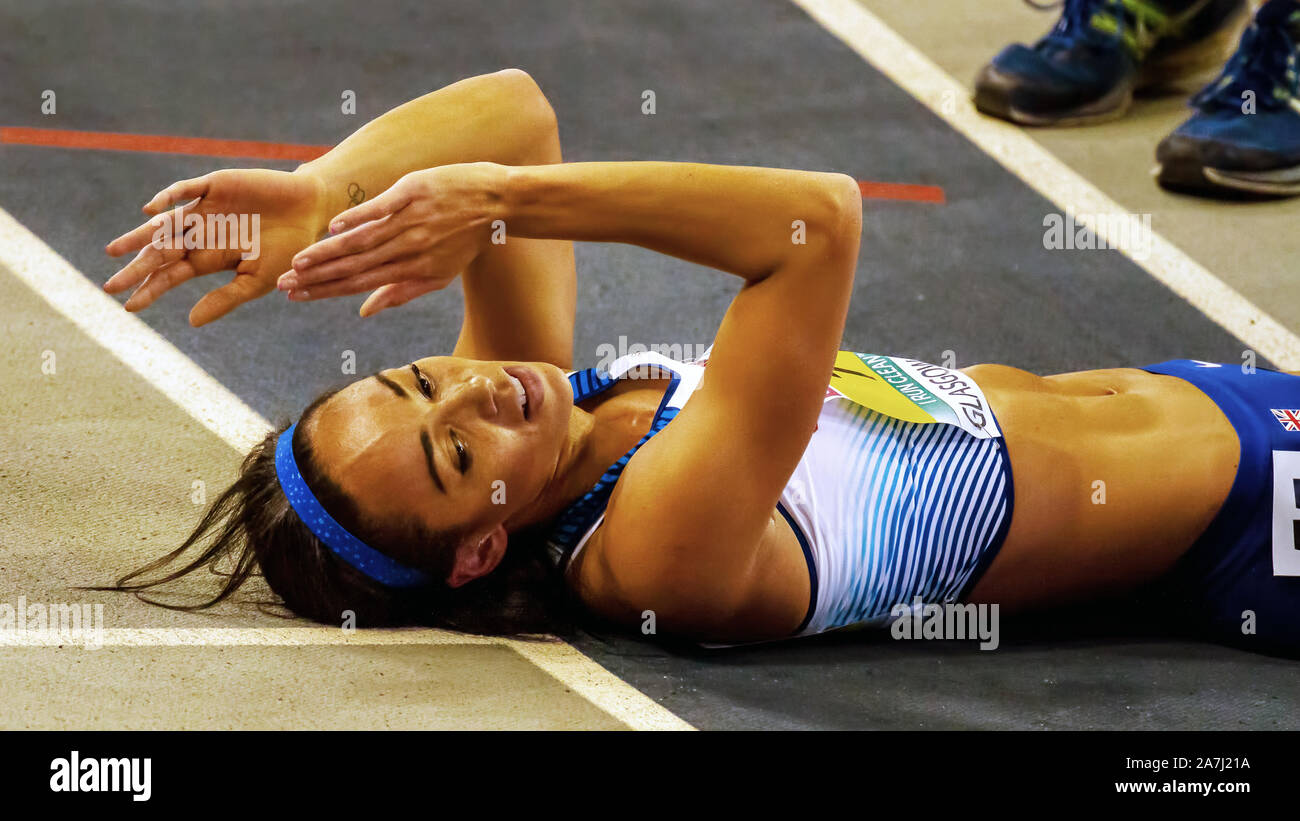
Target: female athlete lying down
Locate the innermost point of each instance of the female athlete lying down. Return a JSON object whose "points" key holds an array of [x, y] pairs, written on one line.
{"points": [[777, 488]]}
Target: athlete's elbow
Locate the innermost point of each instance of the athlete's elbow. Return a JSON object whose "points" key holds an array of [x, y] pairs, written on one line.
{"points": [[828, 239], [519, 78], [847, 193], [847, 197], [533, 107]]}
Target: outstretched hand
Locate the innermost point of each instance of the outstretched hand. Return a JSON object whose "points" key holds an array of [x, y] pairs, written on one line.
{"points": [[416, 237], [250, 220]]}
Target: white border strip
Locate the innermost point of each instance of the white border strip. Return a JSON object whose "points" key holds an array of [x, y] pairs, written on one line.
{"points": [[162, 365], [916, 74]]}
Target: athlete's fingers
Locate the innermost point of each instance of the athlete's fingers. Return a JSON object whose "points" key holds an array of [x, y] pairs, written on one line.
{"points": [[403, 244], [362, 238], [221, 301], [150, 259], [160, 282], [132, 240], [390, 202], [161, 227], [369, 280], [397, 293], [178, 192]]}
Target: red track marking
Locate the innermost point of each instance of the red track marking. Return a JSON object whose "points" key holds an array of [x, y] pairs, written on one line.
{"points": [[900, 191], [200, 146], [253, 149]]}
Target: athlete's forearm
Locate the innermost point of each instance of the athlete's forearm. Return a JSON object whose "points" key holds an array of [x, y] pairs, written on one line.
{"points": [[747, 221], [493, 118]]}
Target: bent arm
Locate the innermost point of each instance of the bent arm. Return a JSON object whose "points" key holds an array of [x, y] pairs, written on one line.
{"points": [[519, 297], [734, 218], [685, 523]]}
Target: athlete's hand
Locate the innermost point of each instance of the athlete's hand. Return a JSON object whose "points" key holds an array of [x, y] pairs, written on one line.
{"points": [[416, 237], [291, 214]]}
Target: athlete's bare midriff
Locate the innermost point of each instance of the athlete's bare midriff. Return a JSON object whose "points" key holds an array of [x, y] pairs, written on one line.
{"points": [[1116, 474]]}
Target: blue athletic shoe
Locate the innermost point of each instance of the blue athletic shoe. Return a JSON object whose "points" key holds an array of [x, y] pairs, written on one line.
{"points": [[1087, 67], [1245, 135]]}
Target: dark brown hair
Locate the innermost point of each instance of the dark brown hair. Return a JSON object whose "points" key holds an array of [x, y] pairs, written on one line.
{"points": [[253, 527]]}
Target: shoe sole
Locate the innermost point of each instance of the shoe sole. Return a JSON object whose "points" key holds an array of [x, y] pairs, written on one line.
{"points": [[1193, 61], [1192, 178], [1112, 106]]}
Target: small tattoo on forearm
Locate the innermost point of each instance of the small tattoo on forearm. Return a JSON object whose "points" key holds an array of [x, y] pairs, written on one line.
{"points": [[356, 194]]}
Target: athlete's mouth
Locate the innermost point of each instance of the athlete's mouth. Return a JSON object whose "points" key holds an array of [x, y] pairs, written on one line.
{"points": [[529, 389]]}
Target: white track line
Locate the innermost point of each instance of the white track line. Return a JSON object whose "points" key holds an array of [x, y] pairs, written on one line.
{"points": [[237, 637], [161, 364], [128, 338], [558, 659], [915, 73]]}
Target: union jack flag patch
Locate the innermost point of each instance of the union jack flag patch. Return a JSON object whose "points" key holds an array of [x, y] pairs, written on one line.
{"points": [[1288, 419]]}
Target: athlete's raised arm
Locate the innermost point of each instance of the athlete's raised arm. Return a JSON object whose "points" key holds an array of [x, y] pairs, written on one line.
{"points": [[502, 117], [687, 520]]}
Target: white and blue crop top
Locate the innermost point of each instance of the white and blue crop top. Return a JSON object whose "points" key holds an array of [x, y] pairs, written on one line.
{"points": [[902, 497]]}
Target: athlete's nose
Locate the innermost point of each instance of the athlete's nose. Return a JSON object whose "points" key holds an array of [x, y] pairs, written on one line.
{"points": [[477, 394]]}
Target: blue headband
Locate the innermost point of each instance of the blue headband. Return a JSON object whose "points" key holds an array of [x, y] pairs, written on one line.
{"points": [[333, 535]]}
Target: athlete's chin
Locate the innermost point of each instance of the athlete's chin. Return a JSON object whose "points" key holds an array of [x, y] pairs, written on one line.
{"points": [[558, 402]]}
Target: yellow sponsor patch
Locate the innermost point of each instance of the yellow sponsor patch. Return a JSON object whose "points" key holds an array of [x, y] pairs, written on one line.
{"points": [[853, 380]]}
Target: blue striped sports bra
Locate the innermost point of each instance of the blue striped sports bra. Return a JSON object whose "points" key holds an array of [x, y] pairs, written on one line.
{"points": [[902, 497]]}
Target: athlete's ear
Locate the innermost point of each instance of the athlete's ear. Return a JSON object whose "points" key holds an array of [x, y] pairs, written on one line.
{"points": [[477, 556]]}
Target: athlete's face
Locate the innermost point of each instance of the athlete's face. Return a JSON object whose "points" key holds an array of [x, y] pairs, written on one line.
{"points": [[461, 444]]}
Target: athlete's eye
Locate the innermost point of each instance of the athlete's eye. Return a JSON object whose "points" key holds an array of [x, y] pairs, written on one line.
{"points": [[426, 387], [461, 451]]}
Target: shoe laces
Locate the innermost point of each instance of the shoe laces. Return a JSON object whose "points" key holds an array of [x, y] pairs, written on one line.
{"points": [[1265, 63], [1080, 19]]}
